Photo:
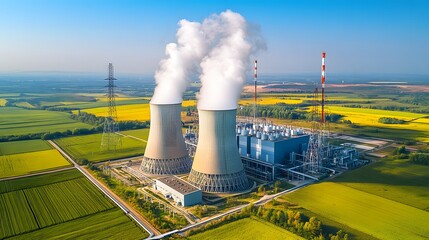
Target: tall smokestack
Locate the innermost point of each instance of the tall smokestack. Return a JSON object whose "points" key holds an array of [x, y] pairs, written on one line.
{"points": [[165, 150], [323, 87], [217, 166], [255, 79]]}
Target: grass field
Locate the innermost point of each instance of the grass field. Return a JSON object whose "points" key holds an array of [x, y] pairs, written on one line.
{"points": [[30, 162], [88, 146], [139, 133], [247, 228], [34, 203], [18, 121], [374, 215], [397, 180], [16, 147]]}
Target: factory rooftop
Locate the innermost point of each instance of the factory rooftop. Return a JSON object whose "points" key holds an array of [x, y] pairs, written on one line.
{"points": [[178, 184]]}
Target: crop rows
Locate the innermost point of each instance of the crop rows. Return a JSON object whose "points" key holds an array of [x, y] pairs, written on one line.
{"points": [[60, 202], [39, 207], [110, 224], [37, 181], [16, 215]]}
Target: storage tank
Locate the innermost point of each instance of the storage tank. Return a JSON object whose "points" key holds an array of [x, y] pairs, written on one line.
{"points": [[217, 166], [165, 152]]}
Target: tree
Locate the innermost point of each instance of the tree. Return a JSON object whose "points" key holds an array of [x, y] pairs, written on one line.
{"points": [[420, 158], [400, 150], [260, 211], [268, 214], [261, 189]]}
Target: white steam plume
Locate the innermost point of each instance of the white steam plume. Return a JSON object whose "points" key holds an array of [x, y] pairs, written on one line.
{"points": [[221, 45], [224, 68], [173, 73]]}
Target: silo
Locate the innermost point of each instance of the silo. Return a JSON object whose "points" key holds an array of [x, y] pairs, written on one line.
{"points": [[165, 150], [217, 166]]}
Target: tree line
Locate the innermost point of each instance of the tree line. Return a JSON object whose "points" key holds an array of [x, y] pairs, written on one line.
{"points": [[390, 120], [420, 157], [388, 107]]}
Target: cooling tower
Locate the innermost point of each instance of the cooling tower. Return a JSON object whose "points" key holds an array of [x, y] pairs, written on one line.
{"points": [[217, 165], [165, 150]]}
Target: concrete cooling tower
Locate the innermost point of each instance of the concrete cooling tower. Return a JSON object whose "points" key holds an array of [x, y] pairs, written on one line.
{"points": [[165, 152], [217, 165]]}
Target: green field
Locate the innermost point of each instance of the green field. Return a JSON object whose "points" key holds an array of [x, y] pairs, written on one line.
{"points": [[247, 228], [110, 224], [139, 133], [37, 181], [374, 215], [34, 203], [88, 146], [18, 121], [397, 180], [25, 146], [30, 162]]}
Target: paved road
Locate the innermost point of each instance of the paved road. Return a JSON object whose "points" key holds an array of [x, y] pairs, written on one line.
{"points": [[121, 204], [37, 174], [261, 201]]}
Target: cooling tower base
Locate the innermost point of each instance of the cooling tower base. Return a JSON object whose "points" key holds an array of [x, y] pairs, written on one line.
{"points": [[166, 166], [225, 183]]}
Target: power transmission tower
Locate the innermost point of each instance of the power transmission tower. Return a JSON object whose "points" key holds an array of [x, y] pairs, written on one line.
{"points": [[111, 140], [312, 157]]}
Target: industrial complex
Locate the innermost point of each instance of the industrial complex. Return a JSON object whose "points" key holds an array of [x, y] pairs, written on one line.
{"points": [[225, 154]]}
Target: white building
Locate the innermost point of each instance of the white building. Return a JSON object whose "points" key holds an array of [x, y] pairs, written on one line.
{"points": [[182, 192]]}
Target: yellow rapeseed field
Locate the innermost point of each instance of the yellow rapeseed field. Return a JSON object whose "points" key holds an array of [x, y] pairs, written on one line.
{"points": [[24, 163], [369, 117], [271, 100], [140, 112]]}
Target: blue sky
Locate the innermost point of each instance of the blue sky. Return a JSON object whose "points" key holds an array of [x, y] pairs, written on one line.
{"points": [[83, 35]]}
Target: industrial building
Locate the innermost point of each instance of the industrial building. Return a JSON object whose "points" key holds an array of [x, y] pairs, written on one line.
{"points": [[265, 147], [183, 193], [343, 157], [165, 152], [217, 166]]}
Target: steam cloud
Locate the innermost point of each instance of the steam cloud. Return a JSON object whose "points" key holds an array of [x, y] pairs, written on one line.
{"points": [[224, 68], [221, 45], [173, 73]]}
